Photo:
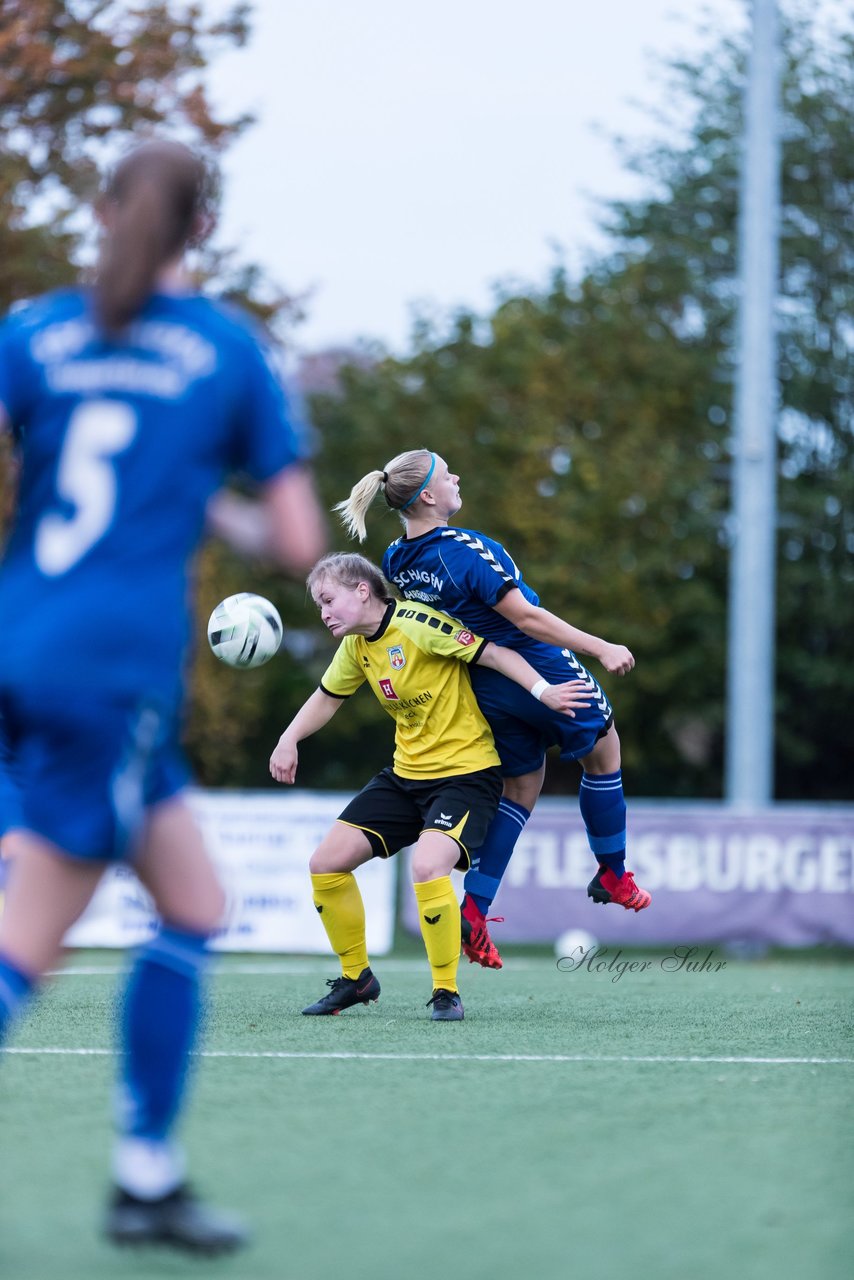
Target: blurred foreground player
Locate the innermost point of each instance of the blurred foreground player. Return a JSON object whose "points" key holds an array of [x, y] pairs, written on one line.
{"points": [[131, 402], [10, 812]]}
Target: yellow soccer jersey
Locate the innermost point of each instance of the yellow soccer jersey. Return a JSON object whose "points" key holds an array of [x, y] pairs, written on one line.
{"points": [[413, 664]]}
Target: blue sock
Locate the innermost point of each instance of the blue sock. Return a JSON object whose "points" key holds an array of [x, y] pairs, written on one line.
{"points": [[160, 1021], [603, 808], [15, 987], [489, 862]]}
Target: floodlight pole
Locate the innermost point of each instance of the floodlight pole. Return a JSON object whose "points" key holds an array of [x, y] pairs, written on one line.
{"points": [[750, 688]]}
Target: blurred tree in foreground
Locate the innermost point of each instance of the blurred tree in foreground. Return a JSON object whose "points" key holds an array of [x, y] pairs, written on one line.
{"points": [[79, 81], [590, 423]]}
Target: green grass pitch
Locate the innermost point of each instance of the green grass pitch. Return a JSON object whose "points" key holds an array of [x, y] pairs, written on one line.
{"points": [[665, 1125]]}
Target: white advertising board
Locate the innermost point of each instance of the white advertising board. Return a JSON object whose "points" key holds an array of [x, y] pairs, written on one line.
{"points": [[260, 843]]}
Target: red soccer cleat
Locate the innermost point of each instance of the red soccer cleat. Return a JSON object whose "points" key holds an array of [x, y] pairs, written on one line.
{"points": [[477, 944], [605, 887]]}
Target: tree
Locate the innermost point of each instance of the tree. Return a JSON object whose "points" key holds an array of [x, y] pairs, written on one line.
{"points": [[590, 423], [80, 80], [589, 417], [688, 228], [563, 420]]}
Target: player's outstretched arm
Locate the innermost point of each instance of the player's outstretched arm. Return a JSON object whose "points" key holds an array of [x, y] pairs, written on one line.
{"points": [[298, 524], [558, 697], [312, 715], [542, 625], [286, 526], [241, 522]]}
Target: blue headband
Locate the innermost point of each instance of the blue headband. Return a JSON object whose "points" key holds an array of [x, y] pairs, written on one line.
{"points": [[423, 485]]}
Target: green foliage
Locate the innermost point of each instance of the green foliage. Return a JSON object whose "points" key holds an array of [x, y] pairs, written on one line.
{"points": [[589, 418], [80, 81], [590, 424], [690, 227], [229, 708], [581, 433]]}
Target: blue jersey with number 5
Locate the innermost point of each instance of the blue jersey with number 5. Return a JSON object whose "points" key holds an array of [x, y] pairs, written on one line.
{"points": [[121, 444]]}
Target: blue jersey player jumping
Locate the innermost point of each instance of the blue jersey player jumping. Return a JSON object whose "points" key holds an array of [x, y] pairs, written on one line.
{"points": [[473, 578], [131, 401]]}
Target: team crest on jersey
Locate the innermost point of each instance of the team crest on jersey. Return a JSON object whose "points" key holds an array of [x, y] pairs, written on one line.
{"points": [[396, 657], [388, 690], [463, 637]]}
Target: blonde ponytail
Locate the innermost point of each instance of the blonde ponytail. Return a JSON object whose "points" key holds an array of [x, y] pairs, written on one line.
{"points": [[354, 509], [402, 480]]}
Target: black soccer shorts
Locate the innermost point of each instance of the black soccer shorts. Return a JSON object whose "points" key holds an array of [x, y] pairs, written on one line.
{"points": [[393, 811]]}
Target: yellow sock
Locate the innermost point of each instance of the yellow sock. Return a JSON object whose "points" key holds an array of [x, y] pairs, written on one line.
{"points": [[342, 914], [439, 917]]}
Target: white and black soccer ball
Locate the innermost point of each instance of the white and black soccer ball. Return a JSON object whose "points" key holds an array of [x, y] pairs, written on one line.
{"points": [[245, 630]]}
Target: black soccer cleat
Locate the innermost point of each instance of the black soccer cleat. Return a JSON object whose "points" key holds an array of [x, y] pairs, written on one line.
{"points": [[345, 992], [447, 1006], [178, 1220]]}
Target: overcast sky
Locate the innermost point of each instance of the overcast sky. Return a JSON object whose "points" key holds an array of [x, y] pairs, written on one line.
{"points": [[416, 153]]}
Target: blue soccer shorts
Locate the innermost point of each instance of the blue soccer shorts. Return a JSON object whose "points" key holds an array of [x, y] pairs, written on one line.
{"points": [[86, 770], [524, 728]]}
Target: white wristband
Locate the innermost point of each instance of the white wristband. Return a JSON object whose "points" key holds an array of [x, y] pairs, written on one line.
{"points": [[539, 689]]}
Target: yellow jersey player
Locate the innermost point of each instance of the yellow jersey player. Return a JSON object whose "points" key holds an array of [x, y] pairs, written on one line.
{"points": [[442, 789]]}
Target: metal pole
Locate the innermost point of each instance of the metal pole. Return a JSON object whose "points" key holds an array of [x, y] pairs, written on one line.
{"points": [[750, 690]]}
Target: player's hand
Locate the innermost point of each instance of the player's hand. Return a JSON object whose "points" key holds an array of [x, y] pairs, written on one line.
{"points": [[616, 659], [284, 761], [566, 697]]}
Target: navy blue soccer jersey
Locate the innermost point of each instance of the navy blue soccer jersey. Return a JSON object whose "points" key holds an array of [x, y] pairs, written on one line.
{"points": [[465, 574], [121, 445]]}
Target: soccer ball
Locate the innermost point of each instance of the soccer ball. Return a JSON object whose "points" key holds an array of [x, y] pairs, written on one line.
{"points": [[576, 943], [245, 630]]}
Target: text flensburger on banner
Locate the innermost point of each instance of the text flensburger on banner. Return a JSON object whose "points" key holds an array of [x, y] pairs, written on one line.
{"points": [[781, 877]]}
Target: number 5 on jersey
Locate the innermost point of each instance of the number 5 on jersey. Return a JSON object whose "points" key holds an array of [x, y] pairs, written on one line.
{"points": [[86, 478]]}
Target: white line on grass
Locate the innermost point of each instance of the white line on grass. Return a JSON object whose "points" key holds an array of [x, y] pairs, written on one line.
{"points": [[713, 1059], [287, 968]]}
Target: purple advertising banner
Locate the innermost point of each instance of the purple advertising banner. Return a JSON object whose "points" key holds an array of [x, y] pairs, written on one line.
{"points": [[780, 877]]}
